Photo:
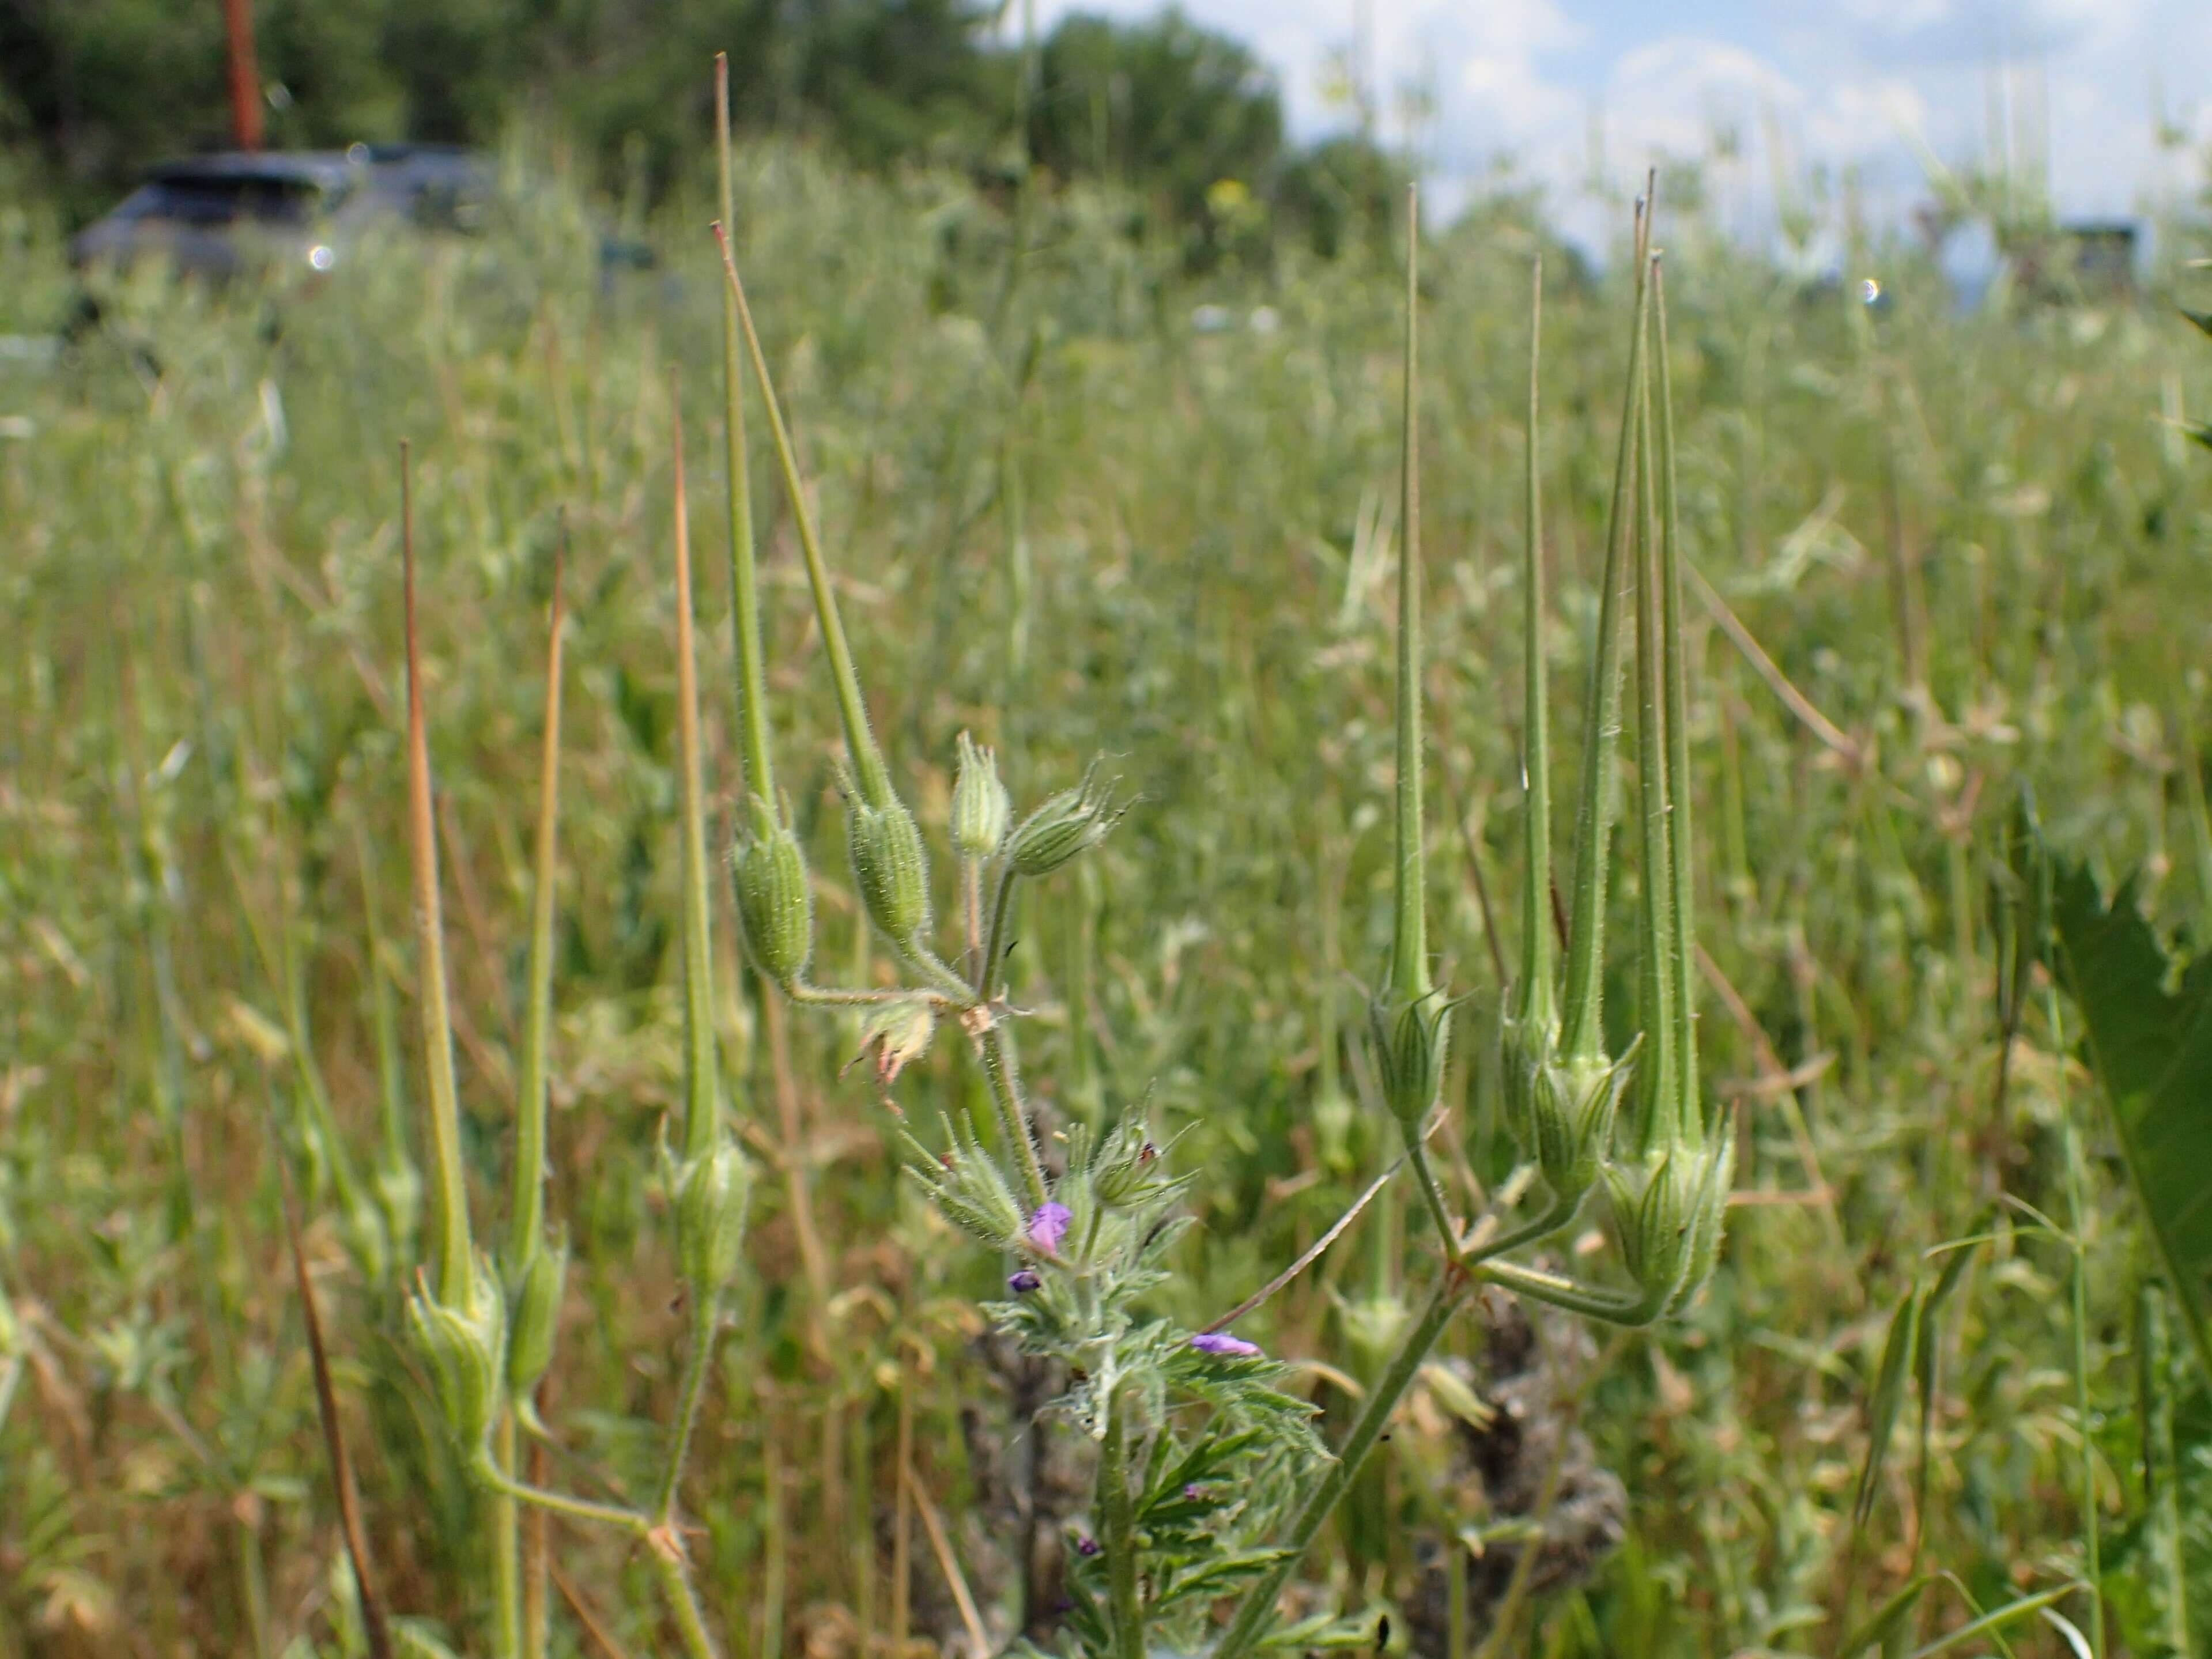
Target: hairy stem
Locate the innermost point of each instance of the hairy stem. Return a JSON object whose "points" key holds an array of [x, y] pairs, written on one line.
{"points": [[701, 1082], [1258, 1605], [744, 586], [451, 1246], [1409, 947], [1582, 1037], [1535, 993], [506, 1550], [1125, 1607], [527, 1214], [860, 740], [706, 1319]]}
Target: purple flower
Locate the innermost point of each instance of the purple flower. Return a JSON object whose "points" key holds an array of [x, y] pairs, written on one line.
{"points": [[1228, 1346], [1021, 1283], [1049, 1226], [1085, 1545], [1193, 1493]]}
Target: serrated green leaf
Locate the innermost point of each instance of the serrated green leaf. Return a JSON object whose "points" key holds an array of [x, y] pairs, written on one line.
{"points": [[2151, 1049]]}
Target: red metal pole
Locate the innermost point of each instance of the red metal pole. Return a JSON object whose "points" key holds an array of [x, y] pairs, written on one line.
{"points": [[244, 80]]}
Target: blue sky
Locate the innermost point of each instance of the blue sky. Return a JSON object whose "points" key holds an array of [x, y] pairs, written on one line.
{"points": [[1863, 84]]}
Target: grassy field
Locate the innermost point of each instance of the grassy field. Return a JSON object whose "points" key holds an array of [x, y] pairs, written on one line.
{"points": [[1078, 500]]}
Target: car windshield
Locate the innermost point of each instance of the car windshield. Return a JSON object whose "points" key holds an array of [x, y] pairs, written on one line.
{"points": [[213, 200]]}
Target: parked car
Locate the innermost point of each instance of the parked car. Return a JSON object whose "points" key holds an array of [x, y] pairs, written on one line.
{"points": [[214, 216]]}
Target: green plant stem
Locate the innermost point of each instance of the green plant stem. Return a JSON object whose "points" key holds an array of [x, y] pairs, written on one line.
{"points": [[1534, 995], [1682, 877], [659, 1546], [1582, 1035], [706, 1319], [1258, 1605], [1125, 1607], [860, 740], [682, 1602], [1592, 1301], [505, 1549], [1658, 1120], [744, 585], [1001, 1070], [1556, 1216], [1433, 1193], [701, 1105], [2077, 1203], [527, 1214], [451, 1249], [987, 970], [1409, 948]]}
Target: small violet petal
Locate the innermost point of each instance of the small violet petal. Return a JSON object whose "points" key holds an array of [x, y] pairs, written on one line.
{"points": [[1220, 1342], [1049, 1226], [1021, 1283]]}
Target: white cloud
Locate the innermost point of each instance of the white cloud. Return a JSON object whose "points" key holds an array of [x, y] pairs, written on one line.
{"points": [[1838, 83]]}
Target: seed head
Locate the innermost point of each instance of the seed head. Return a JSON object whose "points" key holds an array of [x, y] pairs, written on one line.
{"points": [[711, 1195], [1667, 1212], [775, 900], [1563, 1110], [536, 1317], [890, 866], [1070, 823], [980, 810], [460, 1345], [1411, 1035]]}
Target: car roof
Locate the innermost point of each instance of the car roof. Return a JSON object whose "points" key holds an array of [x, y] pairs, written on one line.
{"points": [[321, 168]]}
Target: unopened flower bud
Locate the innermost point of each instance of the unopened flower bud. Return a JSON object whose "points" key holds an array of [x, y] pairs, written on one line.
{"points": [[1127, 1167], [461, 1346], [775, 902], [711, 1193], [535, 1320], [1410, 1036], [891, 867], [980, 811], [1071, 822]]}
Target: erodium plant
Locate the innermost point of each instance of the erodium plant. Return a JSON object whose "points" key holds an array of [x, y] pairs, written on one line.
{"points": [[1211, 1481]]}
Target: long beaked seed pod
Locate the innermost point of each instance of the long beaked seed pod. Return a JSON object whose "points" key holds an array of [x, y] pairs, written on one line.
{"points": [[890, 866], [980, 810], [775, 896]]}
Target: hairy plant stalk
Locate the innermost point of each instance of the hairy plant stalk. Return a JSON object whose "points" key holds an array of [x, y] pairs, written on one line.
{"points": [[1654, 1072], [869, 771], [706, 1319], [2092, 1571], [526, 1220], [1125, 1608], [1409, 942], [744, 585], [1583, 1034], [1681, 874], [702, 1074], [1534, 998], [506, 1529], [1258, 1605], [450, 1242]]}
